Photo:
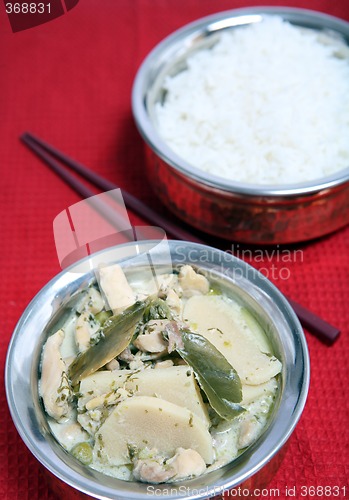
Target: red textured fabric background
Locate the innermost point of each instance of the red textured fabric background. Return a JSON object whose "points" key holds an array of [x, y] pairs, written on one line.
{"points": [[69, 81]]}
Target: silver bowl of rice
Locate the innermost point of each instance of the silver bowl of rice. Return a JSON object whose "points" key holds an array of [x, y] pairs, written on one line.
{"points": [[245, 116]]}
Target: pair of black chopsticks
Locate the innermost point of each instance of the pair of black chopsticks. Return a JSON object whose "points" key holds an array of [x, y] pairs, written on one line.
{"points": [[54, 159]]}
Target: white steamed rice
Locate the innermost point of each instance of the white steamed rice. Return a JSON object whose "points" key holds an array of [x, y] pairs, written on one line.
{"points": [[268, 104]]}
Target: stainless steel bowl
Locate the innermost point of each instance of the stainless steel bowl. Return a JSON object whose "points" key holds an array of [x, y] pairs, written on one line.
{"points": [[244, 212], [252, 469]]}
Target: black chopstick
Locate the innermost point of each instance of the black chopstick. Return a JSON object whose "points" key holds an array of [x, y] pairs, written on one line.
{"points": [[47, 153], [323, 330]]}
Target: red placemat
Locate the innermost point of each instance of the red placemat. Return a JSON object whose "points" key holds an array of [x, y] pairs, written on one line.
{"points": [[69, 81]]}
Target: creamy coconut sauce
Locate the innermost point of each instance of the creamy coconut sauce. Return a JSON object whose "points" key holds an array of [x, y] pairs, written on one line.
{"points": [[158, 384]]}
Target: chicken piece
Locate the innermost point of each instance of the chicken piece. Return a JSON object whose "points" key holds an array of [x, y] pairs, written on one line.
{"points": [[249, 431], [184, 464], [86, 327], [92, 302], [54, 386], [174, 302], [116, 288], [126, 355], [152, 342], [152, 470], [166, 283], [113, 365], [187, 463], [152, 339], [192, 283]]}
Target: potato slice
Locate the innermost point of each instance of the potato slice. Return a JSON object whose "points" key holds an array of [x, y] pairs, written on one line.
{"points": [[256, 329], [219, 321], [148, 422], [116, 288], [251, 393], [175, 384]]}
